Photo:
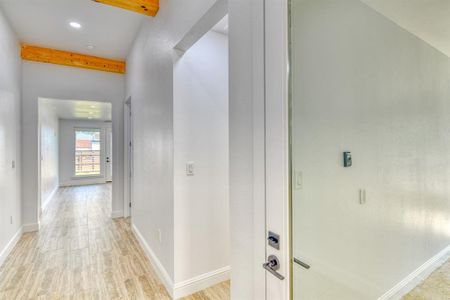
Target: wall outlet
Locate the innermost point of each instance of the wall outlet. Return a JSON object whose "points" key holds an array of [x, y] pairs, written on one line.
{"points": [[190, 168], [298, 180], [159, 236], [362, 196]]}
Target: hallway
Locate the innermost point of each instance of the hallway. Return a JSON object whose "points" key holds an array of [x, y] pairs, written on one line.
{"points": [[81, 253]]}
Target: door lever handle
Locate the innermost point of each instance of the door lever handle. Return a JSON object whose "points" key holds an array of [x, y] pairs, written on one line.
{"points": [[299, 262], [273, 265]]}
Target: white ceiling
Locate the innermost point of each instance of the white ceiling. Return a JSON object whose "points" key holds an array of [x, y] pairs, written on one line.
{"points": [[78, 110], [109, 29], [427, 19]]}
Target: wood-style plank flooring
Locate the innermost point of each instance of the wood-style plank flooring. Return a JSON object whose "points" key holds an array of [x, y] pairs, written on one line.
{"points": [[435, 287], [81, 253]]}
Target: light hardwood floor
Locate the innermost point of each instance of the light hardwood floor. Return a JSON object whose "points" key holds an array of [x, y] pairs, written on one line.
{"points": [[435, 287], [81, 253]]}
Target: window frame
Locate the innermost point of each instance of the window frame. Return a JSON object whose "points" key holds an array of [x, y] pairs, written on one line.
{"points": [[102, 152]]}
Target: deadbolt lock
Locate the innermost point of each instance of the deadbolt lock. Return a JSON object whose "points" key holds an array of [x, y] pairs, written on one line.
{"points": [[274, 240]]}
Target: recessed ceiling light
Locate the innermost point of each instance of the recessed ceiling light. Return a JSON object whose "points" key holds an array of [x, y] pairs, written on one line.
{"points": [[90, 47], [91, 113], [92, 106], [75, 25], [89, 118]]}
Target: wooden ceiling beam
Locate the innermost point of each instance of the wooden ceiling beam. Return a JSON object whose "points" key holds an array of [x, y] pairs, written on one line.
{"points": [[146, 7], [59, 57]]}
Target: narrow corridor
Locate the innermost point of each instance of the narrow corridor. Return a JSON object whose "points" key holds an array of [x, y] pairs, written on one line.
{"points": [[81, 253]]}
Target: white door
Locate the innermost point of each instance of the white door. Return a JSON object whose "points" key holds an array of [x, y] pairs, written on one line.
{"points": [[109, 155], [277, 149]]}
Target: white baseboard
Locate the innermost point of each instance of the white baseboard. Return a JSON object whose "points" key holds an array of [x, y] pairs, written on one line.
{"points": [[30, 227], [8, 248], [198, 283], [83, 181], [117, 214], [186, 287], [158, 266], [415, 278], [49, 199]]}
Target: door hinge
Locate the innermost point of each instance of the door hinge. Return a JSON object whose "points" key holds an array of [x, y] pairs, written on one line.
{"points": [[130, 204]]}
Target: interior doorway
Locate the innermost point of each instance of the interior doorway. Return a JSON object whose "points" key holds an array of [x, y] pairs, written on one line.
{"points": [[75, 146], [201, 155]]}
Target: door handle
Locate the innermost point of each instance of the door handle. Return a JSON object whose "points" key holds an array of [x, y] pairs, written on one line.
{"points": [[273, 265], [299, 262]]}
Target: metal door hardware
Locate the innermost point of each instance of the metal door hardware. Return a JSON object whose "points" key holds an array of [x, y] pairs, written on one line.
{"points": [[299, 262], [273, 265], [274, 240]]}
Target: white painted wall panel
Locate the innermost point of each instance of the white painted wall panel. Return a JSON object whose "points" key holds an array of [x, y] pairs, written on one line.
{"points": [[363, 84], [49, 141], [150, 85], [10, 85], [201, 136]]}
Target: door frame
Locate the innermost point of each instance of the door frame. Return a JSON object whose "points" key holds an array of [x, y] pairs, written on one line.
{"points": [[109, 154], [258, 141], [276, 36], [128, 158]]}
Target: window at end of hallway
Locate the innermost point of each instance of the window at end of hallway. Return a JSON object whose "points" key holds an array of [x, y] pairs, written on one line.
{"points": [[87, 152]]}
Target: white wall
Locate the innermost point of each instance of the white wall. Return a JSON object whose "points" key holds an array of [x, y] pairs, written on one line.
{"points": [[60, 82], [363, 84], [67, 151], [150, 85], [10, 83], [201, 135], [49, 143]]}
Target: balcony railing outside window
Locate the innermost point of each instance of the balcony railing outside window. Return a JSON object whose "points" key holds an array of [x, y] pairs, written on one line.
{"points": [[87, 153]]}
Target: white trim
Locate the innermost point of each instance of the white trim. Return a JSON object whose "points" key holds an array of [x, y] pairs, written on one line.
{"points": [[128, 143], [216, 13], [259, 149], [277, 141], [102, 130], [186, 287], [32, 227], [49, 199], [11, 244], [201, 282], [117, 214], [158, 266], [84, 181], [421, 273]]}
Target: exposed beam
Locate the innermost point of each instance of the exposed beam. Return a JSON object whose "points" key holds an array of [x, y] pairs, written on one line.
{"points": [[146, 7], [58, 57]]}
